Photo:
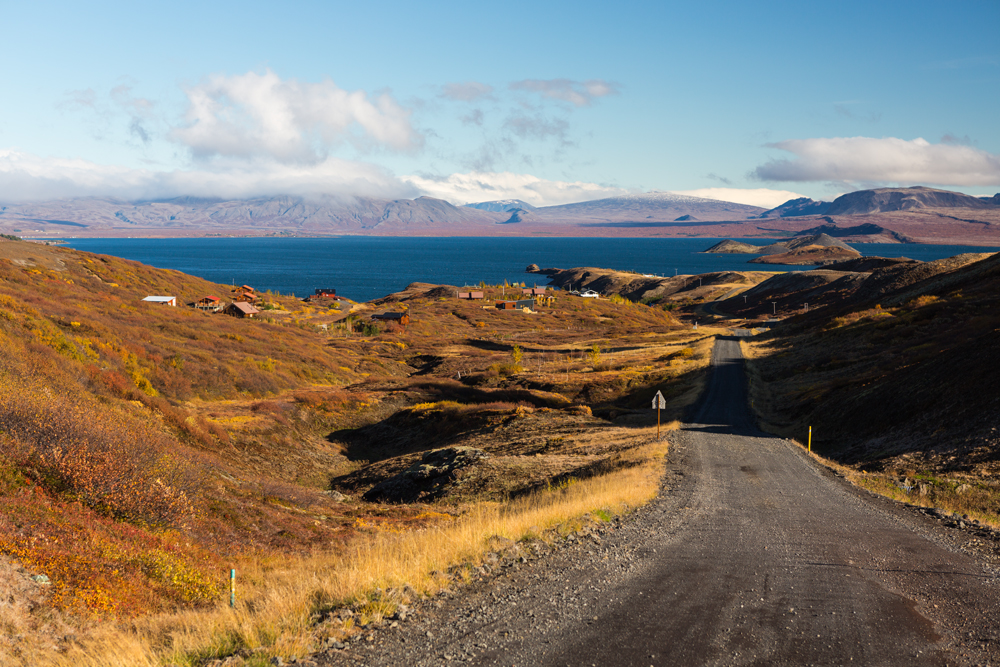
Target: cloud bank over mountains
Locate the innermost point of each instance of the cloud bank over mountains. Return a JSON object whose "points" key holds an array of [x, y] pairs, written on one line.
{"points": [[488, 186], [26, 177], [881, 161], [763, 197]]}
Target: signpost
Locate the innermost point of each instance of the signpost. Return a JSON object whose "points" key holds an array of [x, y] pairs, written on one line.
{"points": [[658, 404]]}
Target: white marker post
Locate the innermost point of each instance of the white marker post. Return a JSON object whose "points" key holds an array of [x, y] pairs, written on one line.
{"points": [[658, 404]]}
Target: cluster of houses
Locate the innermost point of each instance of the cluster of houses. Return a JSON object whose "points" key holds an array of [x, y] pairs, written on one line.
{"points": [[244, 299], [242, 304], [530, 298]]}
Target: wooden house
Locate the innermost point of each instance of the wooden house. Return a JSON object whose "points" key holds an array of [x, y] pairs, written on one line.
{"points": [[327, 292], [241, 309], [245, 293], [516, 305], [402, 318], [533, 291], [208, 304], [471, 295], [162, 300]]}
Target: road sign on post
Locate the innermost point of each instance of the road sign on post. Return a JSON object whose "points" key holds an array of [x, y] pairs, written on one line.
{"points": [[658, 404]]}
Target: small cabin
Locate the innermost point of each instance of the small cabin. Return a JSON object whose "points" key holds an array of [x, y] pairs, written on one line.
{"points": [[327, 292], [208, 304], [516, 305], [241, 309], [401, 318], [162, 300], [533, 291], [245, 293], [244, 297], [471, 295]]}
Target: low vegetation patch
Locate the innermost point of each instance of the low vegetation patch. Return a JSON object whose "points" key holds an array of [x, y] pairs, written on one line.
{"points": [[281, 613]]}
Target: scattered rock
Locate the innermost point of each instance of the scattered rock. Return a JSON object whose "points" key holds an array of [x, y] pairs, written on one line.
{"points": [[437, 471]]}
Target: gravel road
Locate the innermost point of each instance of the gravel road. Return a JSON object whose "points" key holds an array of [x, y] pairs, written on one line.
{"points": [[752, 555]]}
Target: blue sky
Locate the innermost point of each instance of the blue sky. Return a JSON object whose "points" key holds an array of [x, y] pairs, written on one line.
{"points": [[546, 101]]}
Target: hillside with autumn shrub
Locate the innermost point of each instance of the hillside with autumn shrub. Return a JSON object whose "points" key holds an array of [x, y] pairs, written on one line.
{"points": [[146, 449]]}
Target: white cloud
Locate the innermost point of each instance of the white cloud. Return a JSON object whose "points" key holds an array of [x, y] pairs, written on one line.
{"points": [[486, 186], [261, 115], [577, 93], [470, 91], [885, 160], [26, 177], [763, 197]]}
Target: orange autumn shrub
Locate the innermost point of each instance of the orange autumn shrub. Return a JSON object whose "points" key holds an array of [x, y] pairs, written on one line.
{"points": [[101, 458]]}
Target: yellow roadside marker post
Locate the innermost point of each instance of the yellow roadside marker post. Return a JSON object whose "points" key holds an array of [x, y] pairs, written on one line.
{"points": [[810, 438]]}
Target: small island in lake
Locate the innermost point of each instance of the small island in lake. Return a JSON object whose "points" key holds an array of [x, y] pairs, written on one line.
{"points": [[815, 249]]}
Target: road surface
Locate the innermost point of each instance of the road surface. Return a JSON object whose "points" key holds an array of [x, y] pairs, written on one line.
{"points": [[752, 555]]}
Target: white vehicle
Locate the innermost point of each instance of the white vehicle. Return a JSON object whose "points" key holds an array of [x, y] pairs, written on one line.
{"points": [[590, 294]]}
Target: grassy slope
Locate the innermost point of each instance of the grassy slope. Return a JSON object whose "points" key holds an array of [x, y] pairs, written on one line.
{"points": [[146, 449]]}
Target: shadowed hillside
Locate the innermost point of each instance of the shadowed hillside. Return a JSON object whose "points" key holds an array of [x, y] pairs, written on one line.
{"points": [[899, 373]]}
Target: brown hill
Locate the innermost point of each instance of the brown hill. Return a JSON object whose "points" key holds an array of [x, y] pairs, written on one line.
{"points": [[734, 247], [868, 264], [790, 292], [636, 287], [809, 254], [884, 200], [846, 286]]}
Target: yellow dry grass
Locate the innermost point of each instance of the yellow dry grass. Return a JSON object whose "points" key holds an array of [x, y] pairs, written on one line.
{"points": [[280, 600]]}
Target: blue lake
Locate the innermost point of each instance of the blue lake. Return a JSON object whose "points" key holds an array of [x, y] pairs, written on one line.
{"points": [[365, 268]]}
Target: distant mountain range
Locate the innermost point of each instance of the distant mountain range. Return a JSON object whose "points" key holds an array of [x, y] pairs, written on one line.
{"points": [[882, 200], [653, 213], [796, 207]]}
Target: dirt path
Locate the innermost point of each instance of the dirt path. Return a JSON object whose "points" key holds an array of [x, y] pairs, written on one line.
{"points": [[752, 555]]}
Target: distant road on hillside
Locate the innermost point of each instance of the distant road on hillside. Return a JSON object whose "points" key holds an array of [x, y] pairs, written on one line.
{"points": [[754, 555]]}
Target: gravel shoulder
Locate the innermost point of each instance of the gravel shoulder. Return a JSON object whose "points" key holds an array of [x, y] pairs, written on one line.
{"points": [[752, 554]]}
